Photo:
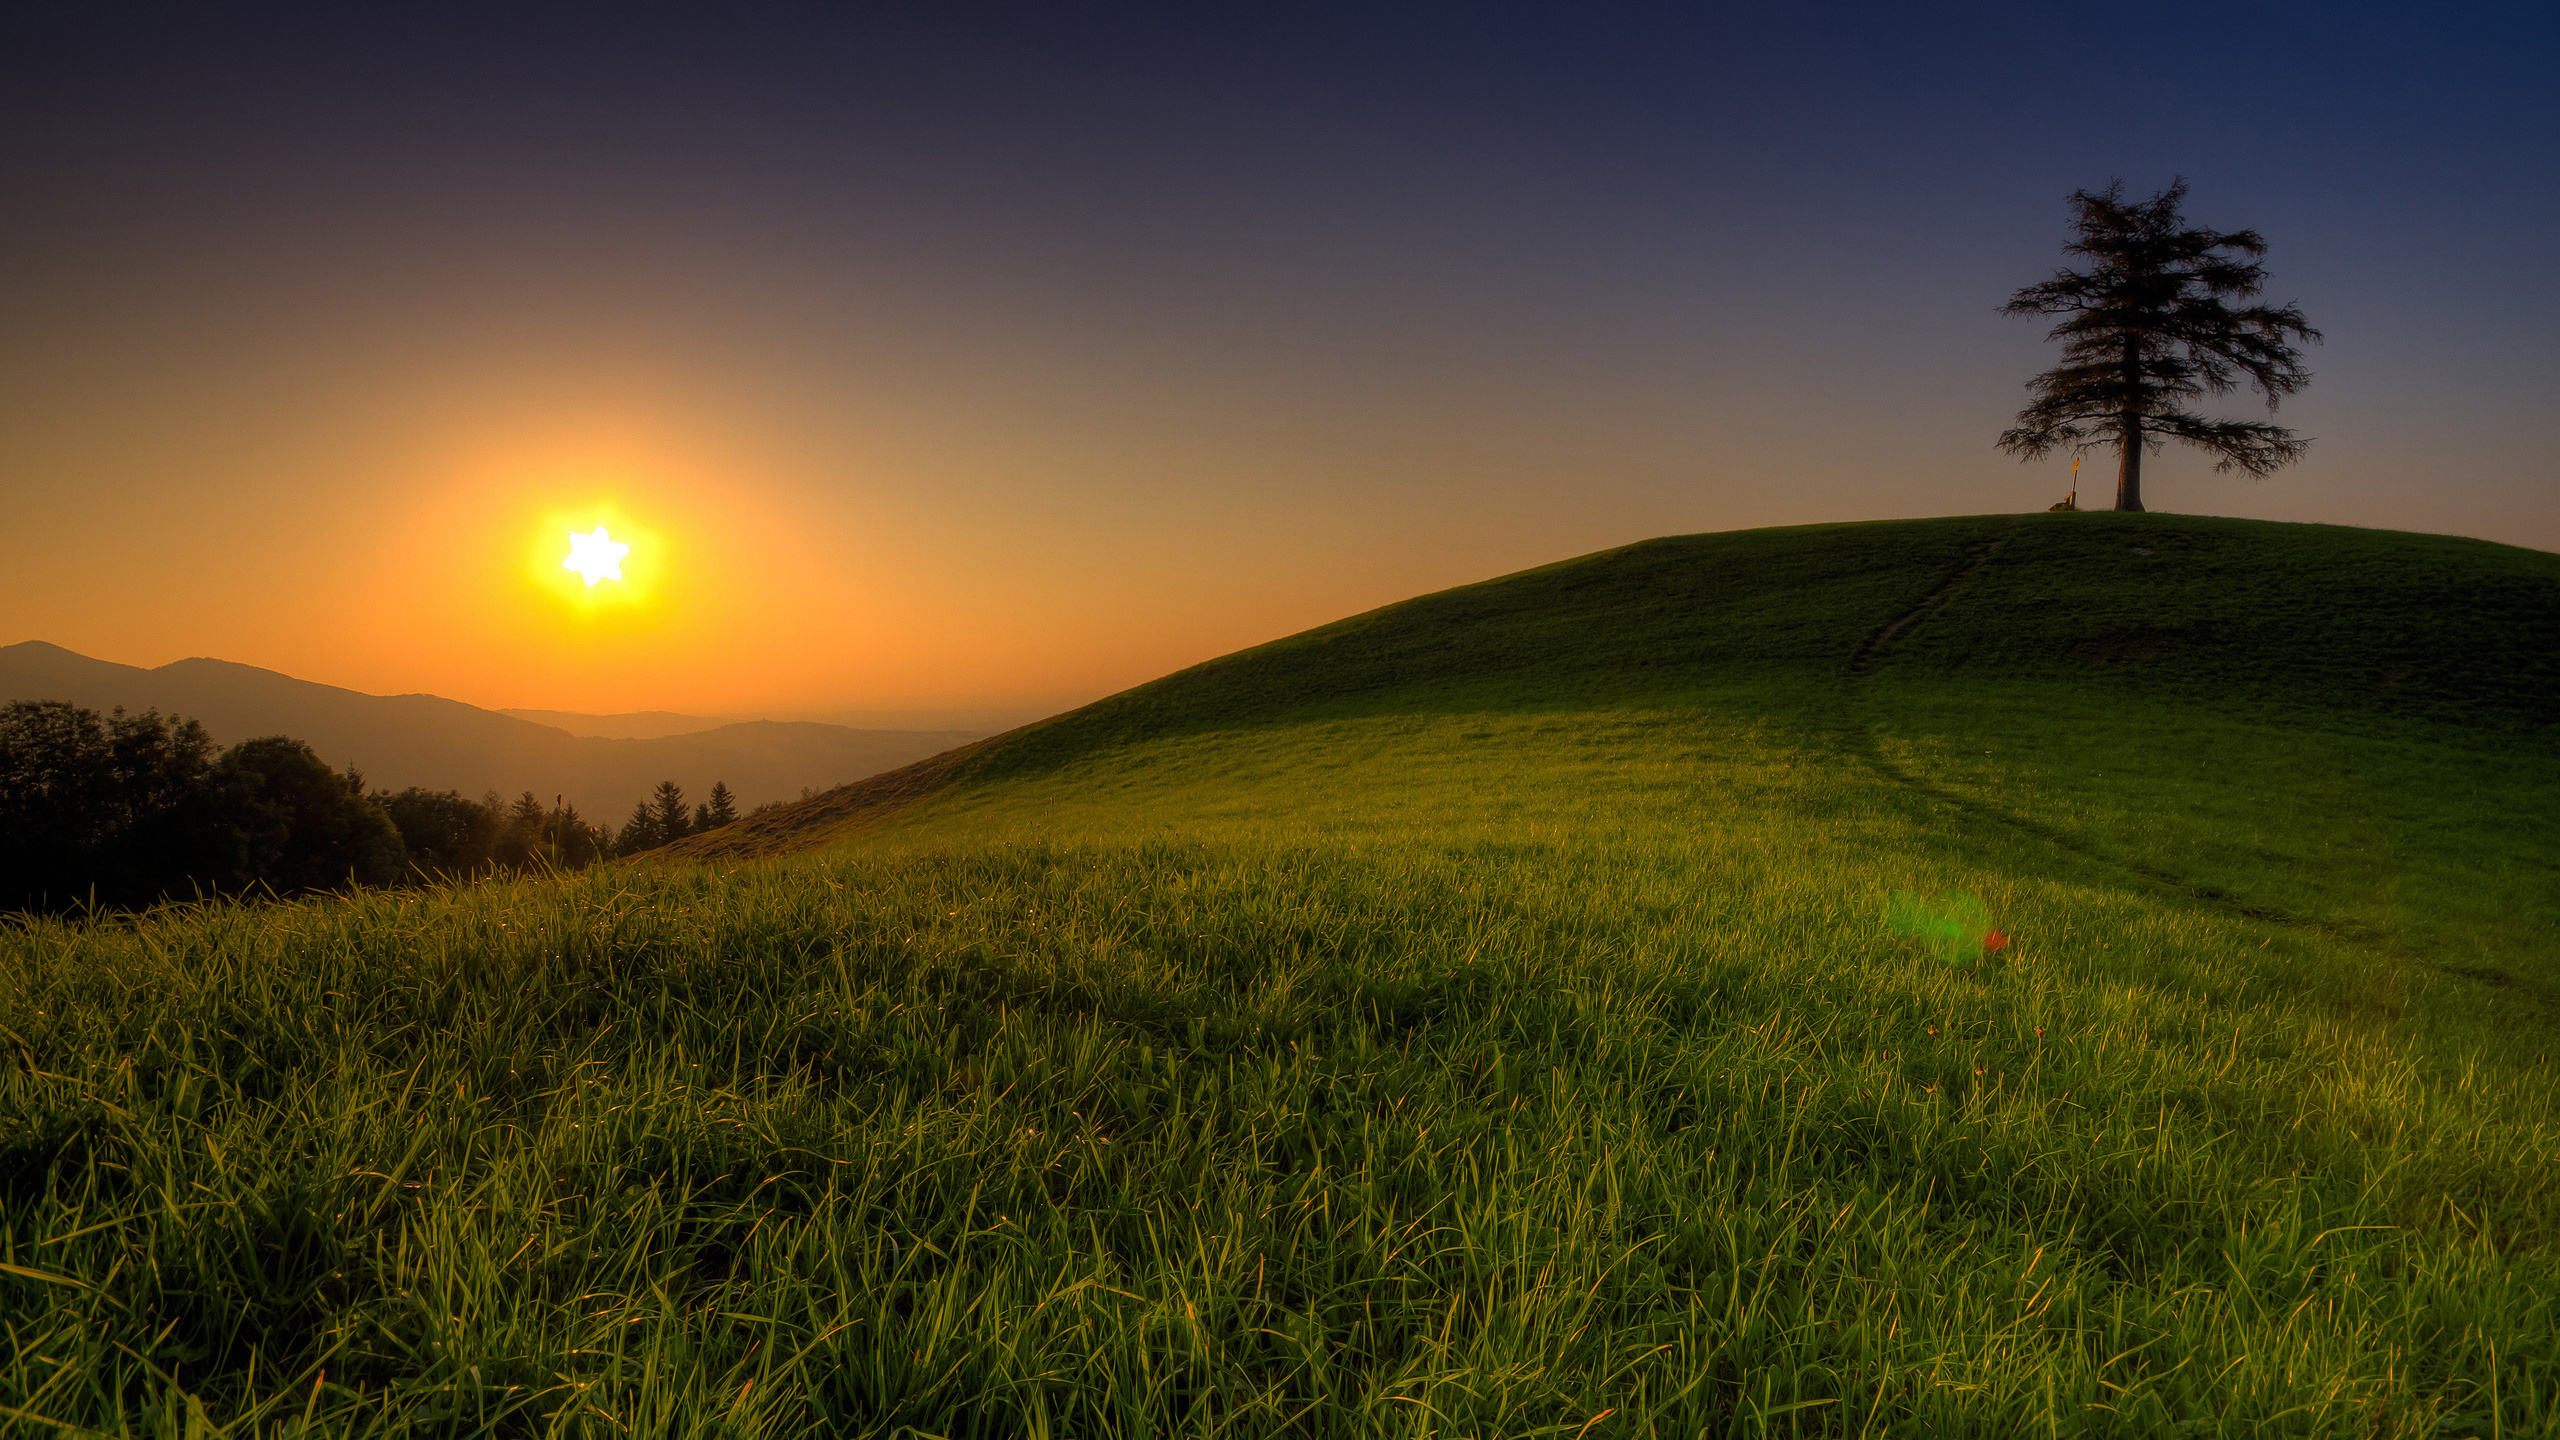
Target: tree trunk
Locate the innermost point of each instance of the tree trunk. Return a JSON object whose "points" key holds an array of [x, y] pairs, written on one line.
{"points": [[2129, 435], [2129, 464]]}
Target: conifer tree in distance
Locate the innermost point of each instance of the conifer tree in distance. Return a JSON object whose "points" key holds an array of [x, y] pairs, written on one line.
{"points": [[639, 833], [525, 843], [674, 823], [527, 813], [722, 809], [573, 840], [2148, 327]]}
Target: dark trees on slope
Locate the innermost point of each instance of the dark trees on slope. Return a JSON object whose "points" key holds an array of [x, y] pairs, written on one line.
{"points": [[638, 833], [536, 838], [128, 810], [2148, 327], [103, 809], [307, 829], [663, 817], [522, 842], [574, 843], [446, 833]]}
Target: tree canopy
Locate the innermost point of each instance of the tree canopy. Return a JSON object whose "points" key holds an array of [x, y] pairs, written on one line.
{"points": [[131, 809], [308, 827], [2150, 326], [126, 811]]}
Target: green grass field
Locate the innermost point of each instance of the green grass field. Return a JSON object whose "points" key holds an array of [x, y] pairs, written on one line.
{"points": [[1481, 1017]]}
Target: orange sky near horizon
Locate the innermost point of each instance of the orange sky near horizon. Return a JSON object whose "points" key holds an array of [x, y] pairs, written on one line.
{"points": [[949, 372], [395, 530], [971, 538], [957, 517]]}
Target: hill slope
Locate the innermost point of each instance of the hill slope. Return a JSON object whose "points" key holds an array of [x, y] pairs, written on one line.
{"points": [[1960, 977], [2336, 629], [2342, 729], [403, 740]]}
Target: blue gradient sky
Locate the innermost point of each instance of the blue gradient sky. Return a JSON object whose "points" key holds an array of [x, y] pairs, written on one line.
{"points": [[972, 363]]}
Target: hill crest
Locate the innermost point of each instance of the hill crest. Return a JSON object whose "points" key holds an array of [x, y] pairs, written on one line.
{"points": [[2330, 624]]}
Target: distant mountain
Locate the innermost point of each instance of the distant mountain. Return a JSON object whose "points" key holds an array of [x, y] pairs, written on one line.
{"points": [[637, 725], [404, 740]]}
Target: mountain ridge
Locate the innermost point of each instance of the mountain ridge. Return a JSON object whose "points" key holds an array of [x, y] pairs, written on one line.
{"points": [[629, 724], [442, 744]]}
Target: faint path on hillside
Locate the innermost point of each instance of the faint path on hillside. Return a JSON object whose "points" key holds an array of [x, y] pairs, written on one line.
{"points": [[1866, 743], [1868, 652]]}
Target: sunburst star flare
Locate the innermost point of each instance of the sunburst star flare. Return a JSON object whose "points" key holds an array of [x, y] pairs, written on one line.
{"points": [[597, 556]]}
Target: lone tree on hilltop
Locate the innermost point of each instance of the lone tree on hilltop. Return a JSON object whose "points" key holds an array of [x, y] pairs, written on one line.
{"points": [[2148, 327]]}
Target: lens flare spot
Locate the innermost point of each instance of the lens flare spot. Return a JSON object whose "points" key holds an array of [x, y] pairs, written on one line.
{"points": [[1954, 926], [597, 556]]}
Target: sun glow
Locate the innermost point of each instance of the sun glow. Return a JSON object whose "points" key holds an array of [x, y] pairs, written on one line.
{"points": [[727, 592], [597, 556], [606, 542]]}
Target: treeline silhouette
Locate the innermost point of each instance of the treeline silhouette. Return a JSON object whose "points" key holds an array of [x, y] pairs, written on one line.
{"points": [[662, 817], [124, 811]]}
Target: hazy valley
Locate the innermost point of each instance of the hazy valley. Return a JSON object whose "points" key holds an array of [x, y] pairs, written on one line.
{"points": [[403, 740]]}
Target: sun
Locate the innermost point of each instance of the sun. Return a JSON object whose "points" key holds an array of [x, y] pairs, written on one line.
{"points": [[597, 556], [614, 571]]}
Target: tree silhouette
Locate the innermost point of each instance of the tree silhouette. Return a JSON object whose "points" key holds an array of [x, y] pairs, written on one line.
{"points": [[722, 809], [131, 810], [638, 833], [527, 812], [525, 843], [2147, 327], [123, 811], [573, 841], [667, 806], [445, 833], [310, 831]]}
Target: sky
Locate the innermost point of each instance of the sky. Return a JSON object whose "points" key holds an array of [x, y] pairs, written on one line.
{"points": [[953, 365]]}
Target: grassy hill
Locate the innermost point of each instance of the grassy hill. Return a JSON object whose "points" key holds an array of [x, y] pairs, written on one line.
{"points": [[2062, 974], [2308, 722], [2327, 624]]}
